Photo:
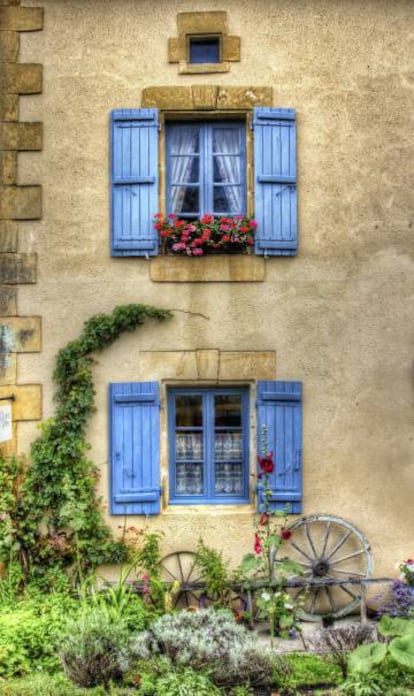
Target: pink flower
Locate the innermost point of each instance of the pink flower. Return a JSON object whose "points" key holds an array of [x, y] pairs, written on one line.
{"points": [[224, 228], [198, 252], [253, 223], [257, 544], [178, 246]]}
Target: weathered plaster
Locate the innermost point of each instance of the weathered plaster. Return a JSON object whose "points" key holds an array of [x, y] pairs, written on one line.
{"points": [[339, 315]]}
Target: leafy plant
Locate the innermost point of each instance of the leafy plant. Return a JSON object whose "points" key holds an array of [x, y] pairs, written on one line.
{"points": [[306, 670], [362, 684], [49, 512], [400, 648], [186, 683], [336, 643], [29, 633], [215, 572], [93, 650], [206, 640]]}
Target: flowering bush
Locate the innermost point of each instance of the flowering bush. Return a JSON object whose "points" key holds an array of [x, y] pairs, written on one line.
{"points": [[274, 603], [407, 572], [209, 234]]}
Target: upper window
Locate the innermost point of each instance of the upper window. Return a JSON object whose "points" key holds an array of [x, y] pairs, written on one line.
{"points": [[206, 173], [208, 445], [204, 49], [206, 168]]}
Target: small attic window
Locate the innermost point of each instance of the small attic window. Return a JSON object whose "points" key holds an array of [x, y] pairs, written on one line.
{"points": [[204, 49]]}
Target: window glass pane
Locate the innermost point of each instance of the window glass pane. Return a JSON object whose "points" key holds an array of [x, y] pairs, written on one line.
{"points": [[185, 199], [226, 141], [227, 410], [205, 50], [228, 478], [188, 411], [183, 140], [189, 479], [228, 446], [227, 199], [185, 169], [189, 446]]}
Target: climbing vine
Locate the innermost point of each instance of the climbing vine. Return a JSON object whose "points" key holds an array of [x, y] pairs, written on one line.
{"points": [[50, 514]]}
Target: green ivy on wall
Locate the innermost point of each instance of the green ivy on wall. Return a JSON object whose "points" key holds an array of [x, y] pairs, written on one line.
{"points": [[50, 514]]}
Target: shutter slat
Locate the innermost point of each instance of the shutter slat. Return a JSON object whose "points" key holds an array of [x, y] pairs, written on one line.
{"points": [[135, 469], [134, 179], [275, 181], [279, 409]]}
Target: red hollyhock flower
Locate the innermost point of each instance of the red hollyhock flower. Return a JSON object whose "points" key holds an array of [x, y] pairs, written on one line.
{"points": [[264, 519], [285, 534], [257, 544], [266, 463]]}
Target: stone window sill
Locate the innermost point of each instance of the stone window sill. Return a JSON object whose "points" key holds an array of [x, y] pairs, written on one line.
{"points": [[209, 269]]}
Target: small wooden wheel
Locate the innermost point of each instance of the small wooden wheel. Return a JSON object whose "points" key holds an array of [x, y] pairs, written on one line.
{"points": [[180, 566], [328, 548]]}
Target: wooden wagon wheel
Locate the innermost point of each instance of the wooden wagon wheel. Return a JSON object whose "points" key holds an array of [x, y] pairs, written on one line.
{"points": [[180, 566], [328, 548]]}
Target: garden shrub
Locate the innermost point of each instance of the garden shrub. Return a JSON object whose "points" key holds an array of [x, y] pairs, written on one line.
{"points": [[207, 640], [29, 633], [336, 643], [93, 649], [186, 683]]}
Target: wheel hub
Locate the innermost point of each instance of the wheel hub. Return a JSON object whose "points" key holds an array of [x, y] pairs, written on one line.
{"points": [[320, 568]]}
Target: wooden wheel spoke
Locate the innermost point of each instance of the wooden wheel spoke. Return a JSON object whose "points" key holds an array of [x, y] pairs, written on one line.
{"points": [[340, 543], [166, 570], [314, 599], [310, 540], [349, 573], [330, 598], [295, 546], [351, 555], [349, 592], [325, 541]]}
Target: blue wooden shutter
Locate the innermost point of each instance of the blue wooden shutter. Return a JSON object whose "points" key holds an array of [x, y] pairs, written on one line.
{"points": [[275, 192], [134, 446], [279, 408], [134, 177]]}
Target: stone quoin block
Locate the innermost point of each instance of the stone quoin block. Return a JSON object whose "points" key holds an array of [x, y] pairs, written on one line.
{"points": [[18, 268], [24, 333], [27, 403], [21, 202], [21, 136], [21, 18], [8, 300], [23, 78]]}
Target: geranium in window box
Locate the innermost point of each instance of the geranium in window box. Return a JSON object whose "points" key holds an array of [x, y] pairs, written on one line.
{"points": [[208, 235]]}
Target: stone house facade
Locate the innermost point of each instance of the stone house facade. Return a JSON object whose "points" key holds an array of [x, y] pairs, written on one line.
{"points": [[319, 315]]}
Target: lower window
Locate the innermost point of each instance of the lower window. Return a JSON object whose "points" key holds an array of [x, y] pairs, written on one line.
{"points": [[209, 458]]}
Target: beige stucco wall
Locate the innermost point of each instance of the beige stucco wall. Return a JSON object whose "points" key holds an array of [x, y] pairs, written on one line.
{"points": [[338, 316]]}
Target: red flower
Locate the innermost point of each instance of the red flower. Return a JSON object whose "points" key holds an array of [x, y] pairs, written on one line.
{"points": [[285, 534], [257, 544], [266, 463], [264, 519], [207, 219]]}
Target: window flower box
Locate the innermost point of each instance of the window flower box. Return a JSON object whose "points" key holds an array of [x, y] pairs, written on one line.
{"points": [[208, 235]]}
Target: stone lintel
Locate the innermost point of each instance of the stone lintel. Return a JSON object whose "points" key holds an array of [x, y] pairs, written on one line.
{"points": [[18, 268], [9, 46], [8, 168], [9, 107], [8, 236], [214, 22], [23, 334], [210, 365], [21, 18], [27, 403], [22, 136], [209, 269], [23, 78], [212, 97], [21, 202], [8, 300]]}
